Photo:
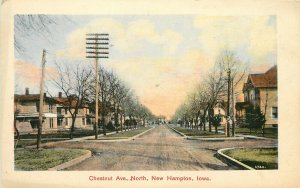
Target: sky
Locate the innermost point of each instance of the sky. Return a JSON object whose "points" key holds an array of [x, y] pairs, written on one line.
{"points": [[161, 57]]}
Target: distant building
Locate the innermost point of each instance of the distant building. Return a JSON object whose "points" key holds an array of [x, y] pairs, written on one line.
{"points": [[26, 108], [64, 118], [260, 90], [220, 110], [55, 113]]}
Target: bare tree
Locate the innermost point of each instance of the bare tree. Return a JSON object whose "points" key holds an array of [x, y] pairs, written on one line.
{"points": [[119, 97], [106, 91], [118, 94], [210, 91], [130, 107], [40, 25], [236, 71], [74, 82]]}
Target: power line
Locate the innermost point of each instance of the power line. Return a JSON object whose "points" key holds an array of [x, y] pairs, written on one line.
{"points": [[94, 43]]}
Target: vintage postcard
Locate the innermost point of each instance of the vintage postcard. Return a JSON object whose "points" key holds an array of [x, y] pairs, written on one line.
{"points": [[140, 94]]}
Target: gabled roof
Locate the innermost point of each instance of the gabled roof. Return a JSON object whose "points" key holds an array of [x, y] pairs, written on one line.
{"points": [[36, 97], [267, 79], [65, 102], [31, 97]]}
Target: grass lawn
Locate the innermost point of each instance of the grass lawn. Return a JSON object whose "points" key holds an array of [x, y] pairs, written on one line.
{"points": [[61, 134], [44, 159], [194, 132], [269, 132], [128, 134], [260, 159], [24, 143]]}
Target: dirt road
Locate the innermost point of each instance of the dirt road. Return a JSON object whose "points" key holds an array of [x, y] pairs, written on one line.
{"points": [[159, 149]]}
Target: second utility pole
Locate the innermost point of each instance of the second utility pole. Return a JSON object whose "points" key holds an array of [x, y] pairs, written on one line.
{"points": [[228, 104], [96, 42], [40, 125]]}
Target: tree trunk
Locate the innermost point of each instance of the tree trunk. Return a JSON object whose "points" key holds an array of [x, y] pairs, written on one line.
{"points": [[103, 123], [72, 127], [130, 121], [209, 119], [216, 129], [121, 122], [117, 121], [204, 122], [17, 131]]}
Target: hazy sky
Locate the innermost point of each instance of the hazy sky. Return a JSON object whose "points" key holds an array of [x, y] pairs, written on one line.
{"points": [[161, 57]]}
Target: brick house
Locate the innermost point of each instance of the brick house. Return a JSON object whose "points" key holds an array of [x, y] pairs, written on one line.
{"points": [[261, 90]]}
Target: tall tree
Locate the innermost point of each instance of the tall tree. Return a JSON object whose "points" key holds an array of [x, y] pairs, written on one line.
{"points": [[233, 71], [74, 82]]}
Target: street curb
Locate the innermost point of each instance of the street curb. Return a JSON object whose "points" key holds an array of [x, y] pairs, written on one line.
{"points": [[215, 139], [178, 132], [257, 137], [118, 140], [231, 160], [134, 137], [72, 162], [206, 139]]}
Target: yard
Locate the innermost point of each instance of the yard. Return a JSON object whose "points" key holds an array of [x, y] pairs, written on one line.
{"points": [[260, 159], [32, 159], [269, 132], [31, 142], [61, 134], [195, 132]]}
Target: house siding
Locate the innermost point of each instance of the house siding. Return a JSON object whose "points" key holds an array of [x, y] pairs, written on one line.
{"points": [[269, 95]]}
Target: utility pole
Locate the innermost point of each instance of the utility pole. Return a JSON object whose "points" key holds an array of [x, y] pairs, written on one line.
{"points": [[228, 104], [40, 126], [96, 42], [233, 107]]}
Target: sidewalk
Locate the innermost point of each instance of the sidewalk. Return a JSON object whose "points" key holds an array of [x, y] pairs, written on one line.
{"points": [[206, 138], [75, 139], [251, 136], [93, 136]]}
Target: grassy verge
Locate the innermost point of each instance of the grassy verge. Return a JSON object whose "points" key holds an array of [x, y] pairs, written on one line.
{"points": [[269, 132], [128, 134], [63, 134], [194, 132], [260, 159], [24, 143], [43, 159]]}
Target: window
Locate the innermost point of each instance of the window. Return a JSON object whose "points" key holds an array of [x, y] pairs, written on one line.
{"points": [[274, 112], [51, 122], [66, 121], [83, 121], [50, 107], [59, 121], [66, 111], [58, 110], [37, 106]]}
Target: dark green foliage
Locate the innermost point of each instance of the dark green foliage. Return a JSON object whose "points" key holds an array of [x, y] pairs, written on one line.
{"points": [[254, 118], [110, 126]]}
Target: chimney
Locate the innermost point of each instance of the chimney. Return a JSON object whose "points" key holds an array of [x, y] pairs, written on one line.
{"points": [[26, 91], [60, 94]]}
